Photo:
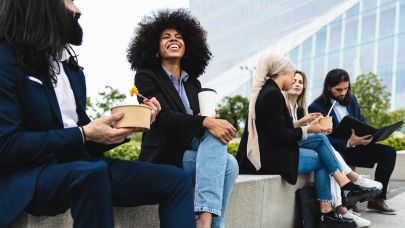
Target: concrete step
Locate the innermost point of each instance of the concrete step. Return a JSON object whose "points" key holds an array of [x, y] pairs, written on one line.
{"points": [[256, 201], [263, 201], [398, 173]]}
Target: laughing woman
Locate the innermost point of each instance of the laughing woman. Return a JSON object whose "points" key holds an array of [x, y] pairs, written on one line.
{"points": [[169, 52]]}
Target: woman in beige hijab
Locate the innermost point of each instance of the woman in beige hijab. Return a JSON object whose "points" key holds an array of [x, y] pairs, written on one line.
{"points": [[269, 144]]}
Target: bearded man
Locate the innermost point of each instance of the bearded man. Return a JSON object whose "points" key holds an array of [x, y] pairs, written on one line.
{"points": [[356, 150], [51, 153]]}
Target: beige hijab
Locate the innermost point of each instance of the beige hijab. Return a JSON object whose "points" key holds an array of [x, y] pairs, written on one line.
{"points": [[268, 66]]}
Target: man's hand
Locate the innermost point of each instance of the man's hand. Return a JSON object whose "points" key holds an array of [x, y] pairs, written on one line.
{"points": [[220, 129], [100, 130], [155, 105], [355, 140]]}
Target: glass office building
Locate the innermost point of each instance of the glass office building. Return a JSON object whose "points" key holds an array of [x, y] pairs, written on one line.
{"points": [[360, 36]]}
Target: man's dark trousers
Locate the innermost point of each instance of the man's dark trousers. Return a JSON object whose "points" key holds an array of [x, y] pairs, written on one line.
{"points": [[372, 153], [92, 188]]}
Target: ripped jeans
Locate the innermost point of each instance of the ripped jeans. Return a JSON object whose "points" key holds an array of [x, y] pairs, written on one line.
{"points": [[323, 162]]}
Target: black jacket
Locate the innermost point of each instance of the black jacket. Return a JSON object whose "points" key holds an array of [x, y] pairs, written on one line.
{"points": [[277, 137], [174, 129]]}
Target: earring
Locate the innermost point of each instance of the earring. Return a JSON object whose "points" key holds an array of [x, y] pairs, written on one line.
{"points": [[157, 55]]}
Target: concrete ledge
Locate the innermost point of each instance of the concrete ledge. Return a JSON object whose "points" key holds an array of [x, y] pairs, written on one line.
{"points": [[130, 217], [263, 201], [256, 201], [398, 173]]}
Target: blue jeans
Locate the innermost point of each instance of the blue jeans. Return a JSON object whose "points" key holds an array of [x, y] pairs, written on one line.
{"points": [[215, 172], [320, 143], [309, 161]]}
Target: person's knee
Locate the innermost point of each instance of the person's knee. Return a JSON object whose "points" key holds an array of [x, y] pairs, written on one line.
{"points": [[90, 174], [183, 177], [98, 167], [208, 136], [390, 154], [323, 137]]}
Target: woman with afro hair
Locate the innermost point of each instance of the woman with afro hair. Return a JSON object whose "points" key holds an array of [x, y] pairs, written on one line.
{"points": [[169, 52]]}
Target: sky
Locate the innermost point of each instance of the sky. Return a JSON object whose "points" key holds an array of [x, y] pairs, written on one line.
{"points": [[108, 27]]}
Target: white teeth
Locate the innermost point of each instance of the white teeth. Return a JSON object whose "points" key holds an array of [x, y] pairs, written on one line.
{"points": [[174, 46]]}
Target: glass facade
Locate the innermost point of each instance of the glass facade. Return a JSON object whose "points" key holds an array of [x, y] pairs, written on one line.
{"points": [[364, 36]]}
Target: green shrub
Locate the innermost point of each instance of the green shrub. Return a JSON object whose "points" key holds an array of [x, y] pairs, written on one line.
{"points": [[233, 148], [131, 149], [397, 142], [126, 151]]}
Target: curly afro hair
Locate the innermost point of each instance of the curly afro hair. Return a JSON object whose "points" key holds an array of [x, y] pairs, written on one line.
{"points": [[143, 47]]}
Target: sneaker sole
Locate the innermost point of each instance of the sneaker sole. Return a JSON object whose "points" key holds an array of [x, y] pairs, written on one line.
{"points": [[380, 212], [334, 225]]}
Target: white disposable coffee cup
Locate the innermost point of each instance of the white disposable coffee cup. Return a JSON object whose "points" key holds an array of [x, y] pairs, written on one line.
{"points": [[207, 99]]}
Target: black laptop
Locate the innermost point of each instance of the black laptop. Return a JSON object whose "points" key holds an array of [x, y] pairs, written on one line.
{"points": [[343, 130]]}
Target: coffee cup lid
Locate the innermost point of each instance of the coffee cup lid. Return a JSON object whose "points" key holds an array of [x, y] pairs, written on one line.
{"points": [[208, 89]]}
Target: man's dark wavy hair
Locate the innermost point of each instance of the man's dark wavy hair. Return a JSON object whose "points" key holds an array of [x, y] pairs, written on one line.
{"points": [[145, 44], [333, 78], [38, 31]]}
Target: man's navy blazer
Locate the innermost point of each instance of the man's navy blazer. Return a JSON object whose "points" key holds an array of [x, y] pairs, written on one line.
{"points": [[31, 131], [354, 111]]}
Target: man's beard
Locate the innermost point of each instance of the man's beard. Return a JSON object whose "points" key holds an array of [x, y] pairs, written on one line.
{"points": [[76, 37], [340, 99]]}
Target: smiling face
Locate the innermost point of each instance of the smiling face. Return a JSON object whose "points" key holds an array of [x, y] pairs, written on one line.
{"points": [[298, 85], [171, 45]]}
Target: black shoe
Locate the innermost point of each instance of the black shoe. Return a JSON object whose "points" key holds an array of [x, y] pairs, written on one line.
{"points": [[351, 194], [333, 219]]}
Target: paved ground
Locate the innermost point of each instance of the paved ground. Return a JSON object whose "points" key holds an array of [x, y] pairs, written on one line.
{"points": [[396, 200]]}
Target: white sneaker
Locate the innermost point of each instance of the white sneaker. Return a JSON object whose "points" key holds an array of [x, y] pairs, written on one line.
{"points": [[365, 181], [360, 222]]}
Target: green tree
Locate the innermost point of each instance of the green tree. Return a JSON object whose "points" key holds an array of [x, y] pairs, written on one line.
{"points": [[373, 98], [109, 98], [235, 110]]}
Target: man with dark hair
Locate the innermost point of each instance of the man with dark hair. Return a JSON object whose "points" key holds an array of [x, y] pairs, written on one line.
{"points": [[51, 153], [356, 150]]}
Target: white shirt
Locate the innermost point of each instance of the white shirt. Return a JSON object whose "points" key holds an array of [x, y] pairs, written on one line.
{"points": [[340, 111], [294, 110], [66, 98], [293, 113]]}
